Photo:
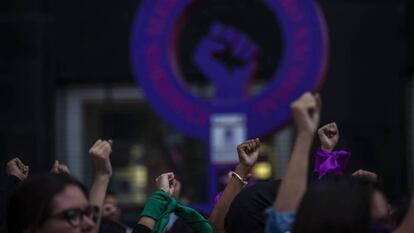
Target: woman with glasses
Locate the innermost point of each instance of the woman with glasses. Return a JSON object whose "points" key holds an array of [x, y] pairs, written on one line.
{"points": [[59, 203], [51, 203]]}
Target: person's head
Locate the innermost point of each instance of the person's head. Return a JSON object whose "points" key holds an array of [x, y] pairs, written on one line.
{"points": [[50, 203], [110, 208], [341, 204], [246, 212]]}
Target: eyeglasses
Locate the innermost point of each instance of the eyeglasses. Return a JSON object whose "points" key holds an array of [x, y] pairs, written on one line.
{"points": [[74, 216]]}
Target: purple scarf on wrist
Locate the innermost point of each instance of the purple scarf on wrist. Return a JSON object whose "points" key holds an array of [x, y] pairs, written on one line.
{"points": [[331, 162]]}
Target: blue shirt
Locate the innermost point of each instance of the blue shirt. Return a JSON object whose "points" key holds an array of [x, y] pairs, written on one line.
{"points": [[278, 222]]}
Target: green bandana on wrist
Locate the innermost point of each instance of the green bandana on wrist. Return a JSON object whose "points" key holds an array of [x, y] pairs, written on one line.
{"points": [[193, 218], [159, 207]]}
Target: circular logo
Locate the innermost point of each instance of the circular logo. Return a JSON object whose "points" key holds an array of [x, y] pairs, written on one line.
{"points": [[156, 30]]}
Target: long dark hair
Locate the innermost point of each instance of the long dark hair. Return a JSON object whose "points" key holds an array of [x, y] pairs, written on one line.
{"points": [[335, 204], [31, 202]]}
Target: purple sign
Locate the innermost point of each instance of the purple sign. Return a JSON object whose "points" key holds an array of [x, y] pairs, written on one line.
{"points": [[156, 30]]}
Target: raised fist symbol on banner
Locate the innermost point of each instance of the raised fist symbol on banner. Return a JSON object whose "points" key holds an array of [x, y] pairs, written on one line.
{"points": [[227, 58]]}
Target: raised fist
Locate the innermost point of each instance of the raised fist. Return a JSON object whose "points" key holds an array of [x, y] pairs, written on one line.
{"points": [[248, 152], [100, 154], [306, 112], [329, 136], [166, 182], [59, 168], [17, 168], [230, 82]]}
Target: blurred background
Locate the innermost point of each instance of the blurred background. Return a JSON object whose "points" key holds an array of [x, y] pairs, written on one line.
{"points": [[66, 80]]}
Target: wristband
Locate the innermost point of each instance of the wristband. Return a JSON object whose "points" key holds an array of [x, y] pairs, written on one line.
{"points": [[238, 177]]}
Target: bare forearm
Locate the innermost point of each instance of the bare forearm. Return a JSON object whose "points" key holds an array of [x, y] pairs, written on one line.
{"points": [[98, 193], [98, 190], [293, 185], [220, 210]]}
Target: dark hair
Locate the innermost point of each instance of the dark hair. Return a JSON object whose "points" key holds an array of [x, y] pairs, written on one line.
{"points": [[246, 212], [31, 202], [335, 204], [109, 226]]}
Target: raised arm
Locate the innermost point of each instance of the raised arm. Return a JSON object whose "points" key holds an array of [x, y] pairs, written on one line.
{"points": [[248, 153], [328, 161], [16, 171], [15, 167], [154, 215], [306, 114], [100, 154]]}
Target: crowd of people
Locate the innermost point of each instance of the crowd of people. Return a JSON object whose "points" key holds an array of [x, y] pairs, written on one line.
{"points": [[332, 202]]}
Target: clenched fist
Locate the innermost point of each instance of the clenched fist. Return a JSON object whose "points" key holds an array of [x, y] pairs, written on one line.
{"points": [[329, 136], [100, 154], [248, 152], [166, 182], [17, 168], [306, 112]]}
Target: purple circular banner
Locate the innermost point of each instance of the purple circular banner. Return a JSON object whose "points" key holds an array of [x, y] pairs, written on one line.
{"points": [[301, 68]]}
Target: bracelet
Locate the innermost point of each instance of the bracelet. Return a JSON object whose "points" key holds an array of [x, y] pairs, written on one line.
{"points": [[238, 177]]}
